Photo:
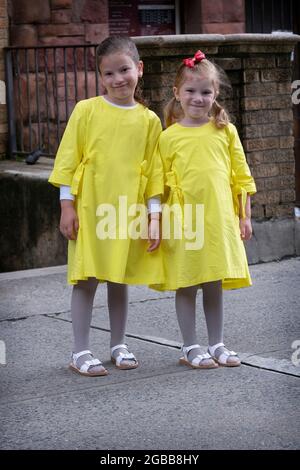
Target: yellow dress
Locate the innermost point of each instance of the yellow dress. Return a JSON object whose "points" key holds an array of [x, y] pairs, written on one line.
{"points": [[205, 170], [107, 157]]}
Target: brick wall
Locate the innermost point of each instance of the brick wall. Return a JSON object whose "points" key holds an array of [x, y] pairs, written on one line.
{"points": [[56, 22], [222, 16], [259, 68], [3, 43]]}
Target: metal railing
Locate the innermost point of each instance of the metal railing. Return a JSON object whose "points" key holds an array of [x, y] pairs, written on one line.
{"points": [[43, 84]]}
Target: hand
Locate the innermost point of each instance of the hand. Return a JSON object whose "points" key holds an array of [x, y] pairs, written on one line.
{"points": [[154, 234], [69, 223], [245, 228]]}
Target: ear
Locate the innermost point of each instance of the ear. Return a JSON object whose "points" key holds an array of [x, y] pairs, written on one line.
{"points": [[176, 94], [140, 68]]}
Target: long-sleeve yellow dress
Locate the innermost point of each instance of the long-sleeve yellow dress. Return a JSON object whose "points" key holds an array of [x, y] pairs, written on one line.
{"points": [[205, 171], [107, 157]]}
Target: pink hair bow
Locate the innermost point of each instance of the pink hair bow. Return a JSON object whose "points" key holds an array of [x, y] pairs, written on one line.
{"points": [[193, 60]]}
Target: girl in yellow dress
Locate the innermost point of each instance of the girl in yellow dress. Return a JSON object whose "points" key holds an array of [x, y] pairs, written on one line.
{"points": [[106, 171], [207, 215]]}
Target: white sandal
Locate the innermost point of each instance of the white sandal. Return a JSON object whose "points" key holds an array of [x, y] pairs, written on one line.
{"points": [[196, 362], [222, 360], [121, 356], [86, 366]]}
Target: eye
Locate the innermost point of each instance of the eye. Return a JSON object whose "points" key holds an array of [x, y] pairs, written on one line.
{"points": [[107, 74], [189, 90], [125, 69]]}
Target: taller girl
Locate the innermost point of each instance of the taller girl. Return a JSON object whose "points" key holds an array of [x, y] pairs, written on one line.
{"points": [[208, 177], [104, 167]]}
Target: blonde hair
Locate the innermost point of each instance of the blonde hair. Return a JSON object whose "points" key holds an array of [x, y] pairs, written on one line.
{"points": [[173, 111], [124, 44]]}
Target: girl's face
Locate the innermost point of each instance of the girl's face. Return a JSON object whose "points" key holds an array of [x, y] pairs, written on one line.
{"points": [[196, 96], [119, 76]]}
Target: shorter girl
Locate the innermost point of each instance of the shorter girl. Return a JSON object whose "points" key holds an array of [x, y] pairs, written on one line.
{"points": [[207, 212]]}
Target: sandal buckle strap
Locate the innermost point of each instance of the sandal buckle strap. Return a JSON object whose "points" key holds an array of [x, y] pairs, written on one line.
{"points": [[87, 364], [76, 356], [118, 346], [187, 349]]}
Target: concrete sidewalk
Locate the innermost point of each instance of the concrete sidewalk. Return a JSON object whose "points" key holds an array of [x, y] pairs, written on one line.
{"points": [[160, 405]]}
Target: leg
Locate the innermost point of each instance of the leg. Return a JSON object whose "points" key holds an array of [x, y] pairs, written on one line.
{"points": [[81, 310], [213, 309], [185, 302], [117, 299]]}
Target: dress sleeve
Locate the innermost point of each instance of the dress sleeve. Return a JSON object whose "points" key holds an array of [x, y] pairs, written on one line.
{"points": [[239, 165], [71, 148], [241, 180], [169, 175], [153, 170]]}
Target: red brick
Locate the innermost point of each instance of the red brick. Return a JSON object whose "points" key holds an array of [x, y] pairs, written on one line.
{"points": [[61, 30], [287, 142], [233, 11], [61, 3], [259, 117], [281, 210], [275, 75], [257, 212], [286, 168], [61, 16], [287, 195], [259, 89], [39, 11], [280, 182], [23, 35], [250, 76], [285, 115], [260, 144], [265, 170], [90, 11], [259, 62], [284, 60], [212, 12], [95, 33], [223, 28], [267, 197]]}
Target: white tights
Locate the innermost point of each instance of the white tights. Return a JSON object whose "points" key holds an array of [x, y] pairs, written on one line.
{"points": [[213, 310], [82, 300]]}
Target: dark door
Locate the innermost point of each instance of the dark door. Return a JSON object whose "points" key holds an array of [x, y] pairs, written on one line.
{"points": [[265, 16]]}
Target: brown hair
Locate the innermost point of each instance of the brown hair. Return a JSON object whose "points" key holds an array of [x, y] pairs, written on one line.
{"points": [[124, 44], [173, 111]]}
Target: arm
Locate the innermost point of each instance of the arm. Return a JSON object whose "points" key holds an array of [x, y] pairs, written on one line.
{"points": [[242, 183], [69, 223], [245, 218], [154, 210]]}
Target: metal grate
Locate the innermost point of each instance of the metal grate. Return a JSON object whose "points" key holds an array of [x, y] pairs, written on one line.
{"points": [[43, 85], [265, 16]]}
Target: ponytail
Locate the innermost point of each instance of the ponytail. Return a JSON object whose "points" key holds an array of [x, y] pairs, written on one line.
{"points": [[219, 115], [172, 112]]}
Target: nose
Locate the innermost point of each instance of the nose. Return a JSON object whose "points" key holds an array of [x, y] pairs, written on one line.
{"points": [[198, 98], [118, 79]]}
